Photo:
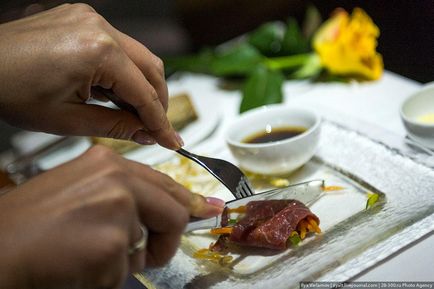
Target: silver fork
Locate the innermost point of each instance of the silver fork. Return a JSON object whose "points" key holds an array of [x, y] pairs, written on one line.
{"points": [[227, 173]]}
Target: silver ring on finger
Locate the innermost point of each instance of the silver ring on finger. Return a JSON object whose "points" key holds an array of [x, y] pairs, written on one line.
{"points": [[139, 245]]}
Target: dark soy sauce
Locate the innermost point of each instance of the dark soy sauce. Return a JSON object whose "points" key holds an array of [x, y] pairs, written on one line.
{"points": [[275, 134]]}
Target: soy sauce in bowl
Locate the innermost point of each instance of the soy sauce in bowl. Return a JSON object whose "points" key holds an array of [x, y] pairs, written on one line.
{"points": [[274, 134], [275, 139]]}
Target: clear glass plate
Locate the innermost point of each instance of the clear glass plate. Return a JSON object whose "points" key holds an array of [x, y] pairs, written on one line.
{"points": [[352, 239]]}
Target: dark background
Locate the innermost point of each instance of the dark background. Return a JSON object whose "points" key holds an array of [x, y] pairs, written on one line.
{"points": [[174, 27]]}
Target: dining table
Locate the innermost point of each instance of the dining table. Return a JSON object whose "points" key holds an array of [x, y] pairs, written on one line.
{"points": [[377, 103], [371, 108]]}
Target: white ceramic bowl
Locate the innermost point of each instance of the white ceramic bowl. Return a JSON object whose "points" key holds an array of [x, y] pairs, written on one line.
{"points": [[277, 157], [416, 106]]}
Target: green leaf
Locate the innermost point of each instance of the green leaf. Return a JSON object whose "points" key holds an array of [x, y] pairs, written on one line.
{"points": [[311, 68], [293, 41], [267, 38], [237, 61], [262, 87], [372, 200], [194, 63]]}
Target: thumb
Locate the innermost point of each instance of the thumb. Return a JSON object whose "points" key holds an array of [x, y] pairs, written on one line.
{"points": [[205, 207], [95, 120]]}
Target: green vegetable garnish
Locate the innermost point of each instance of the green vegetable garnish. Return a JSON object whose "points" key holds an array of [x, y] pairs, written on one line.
{"points": [[232, 221], [372, 199], [295, 239]]}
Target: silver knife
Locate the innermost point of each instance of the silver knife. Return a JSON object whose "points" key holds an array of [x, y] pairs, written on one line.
{"points": [[306, 192]]}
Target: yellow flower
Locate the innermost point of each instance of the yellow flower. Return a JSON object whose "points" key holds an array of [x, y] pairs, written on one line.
{"points": [[346, 45]]}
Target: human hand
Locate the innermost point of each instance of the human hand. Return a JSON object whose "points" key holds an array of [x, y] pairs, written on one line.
{"points": [[71, 227], [51, 60]]}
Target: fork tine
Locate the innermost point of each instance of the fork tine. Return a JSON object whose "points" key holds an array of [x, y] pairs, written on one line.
{"points": [[245, 189], [249, 190], [243, 194], [247, 186], [227, 173], [238, 194]]}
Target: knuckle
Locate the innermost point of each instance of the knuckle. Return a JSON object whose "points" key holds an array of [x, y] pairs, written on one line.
{"points": [[159, 126], [115, 174], [120, 200], [154, 95], [64, 5], [159, 65], [112, 245], [95, 45], [121, 129], [99, 153], [153, 98], [101, 44], [93, 19], [81, 8]]}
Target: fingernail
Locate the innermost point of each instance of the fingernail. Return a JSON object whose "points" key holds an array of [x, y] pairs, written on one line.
{"points": [[179, 139], [215, 202], [143, 138]]}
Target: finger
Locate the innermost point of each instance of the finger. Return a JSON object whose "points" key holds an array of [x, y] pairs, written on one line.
{"points": [[95, 120], [202, 207], [128, 83], [150, 65], [198, 205], [137, 259], [161, 247], [164, 217]]}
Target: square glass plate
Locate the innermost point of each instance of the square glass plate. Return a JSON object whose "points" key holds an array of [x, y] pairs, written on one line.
{"points": [[352, 239]]}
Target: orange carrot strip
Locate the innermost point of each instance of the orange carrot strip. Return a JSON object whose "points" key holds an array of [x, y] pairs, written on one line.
{"points": [[314, 225], [221, 231], [240, 210], [333, 188], [302, 229]]}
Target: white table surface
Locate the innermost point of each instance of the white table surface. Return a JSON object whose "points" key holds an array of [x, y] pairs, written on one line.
{"points": [[374, 102]]}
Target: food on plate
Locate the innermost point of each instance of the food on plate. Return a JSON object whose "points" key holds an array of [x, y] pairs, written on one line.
{"points": [[181, 113], [272, 224], [372, 200], [190, 175]]}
